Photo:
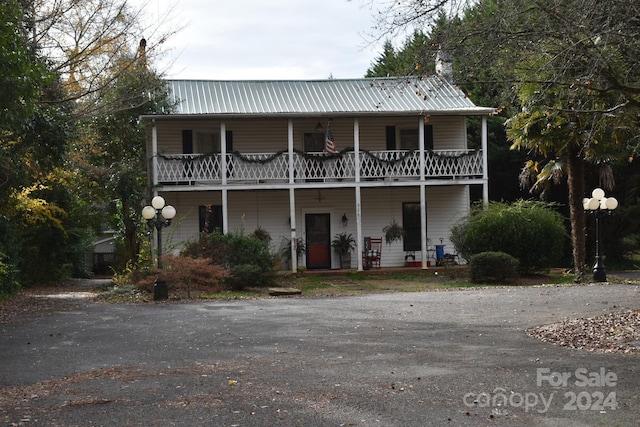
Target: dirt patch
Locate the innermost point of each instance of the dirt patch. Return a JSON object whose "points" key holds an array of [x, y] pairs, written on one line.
{"points": [[38, 301]]}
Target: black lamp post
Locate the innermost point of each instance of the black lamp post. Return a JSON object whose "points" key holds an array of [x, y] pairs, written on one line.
{"points": [[159, 216], [599, 206]]}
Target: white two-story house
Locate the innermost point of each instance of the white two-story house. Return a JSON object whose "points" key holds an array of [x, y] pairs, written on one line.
{"points": [[242, 155]]}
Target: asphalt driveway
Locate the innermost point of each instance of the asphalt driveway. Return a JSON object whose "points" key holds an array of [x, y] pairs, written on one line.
{"points": [[458, 358]]}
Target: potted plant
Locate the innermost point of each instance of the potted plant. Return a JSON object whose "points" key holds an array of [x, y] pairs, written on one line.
{"points": [[393, 232], [343, 244], [285, 250], [262, 234]]}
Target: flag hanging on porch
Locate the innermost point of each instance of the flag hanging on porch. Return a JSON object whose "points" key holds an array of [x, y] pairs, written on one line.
{"points": [[329, 144]]}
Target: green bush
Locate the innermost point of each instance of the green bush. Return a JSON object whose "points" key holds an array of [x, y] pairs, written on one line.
{"points": [[242, 274], [8, 277], [247, 258], [492, 266], [531, 232]]}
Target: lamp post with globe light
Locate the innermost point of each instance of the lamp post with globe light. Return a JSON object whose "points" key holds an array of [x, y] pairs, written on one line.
{"points": [[158, 216], [598, 206]]}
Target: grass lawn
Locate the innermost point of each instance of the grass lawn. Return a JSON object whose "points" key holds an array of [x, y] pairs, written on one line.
{"points": [[355, 283], [344, 283]]}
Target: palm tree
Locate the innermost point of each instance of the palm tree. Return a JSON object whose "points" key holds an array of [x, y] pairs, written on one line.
{"points": [[568, 140]]}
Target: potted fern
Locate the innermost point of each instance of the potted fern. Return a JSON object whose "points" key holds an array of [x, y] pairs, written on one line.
{"points": [[393, 232], [285, 250], [344, 244]]}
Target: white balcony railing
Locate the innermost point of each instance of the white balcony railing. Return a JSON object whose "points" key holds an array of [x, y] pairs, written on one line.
{"points": [[309, 167]]}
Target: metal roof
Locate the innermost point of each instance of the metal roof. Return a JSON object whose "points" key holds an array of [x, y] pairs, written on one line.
{"points": [[392, 95]]}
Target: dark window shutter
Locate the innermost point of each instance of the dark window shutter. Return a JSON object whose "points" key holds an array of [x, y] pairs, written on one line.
{"points": [[391, 137], [428, 137], [187, 141], [210, 218], [412, 226], [229, 137]]}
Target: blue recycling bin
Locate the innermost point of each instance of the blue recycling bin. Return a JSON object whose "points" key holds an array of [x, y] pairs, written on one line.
{"points": [[439, 254]]}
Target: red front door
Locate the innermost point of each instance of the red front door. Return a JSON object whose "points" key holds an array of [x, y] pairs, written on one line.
{"points": [[318, 241]]}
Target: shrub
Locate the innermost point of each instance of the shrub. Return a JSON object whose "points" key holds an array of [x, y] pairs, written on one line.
{"points": [[8, 277], [529, 231], [239, 254], [180, 271], [492, 266], [243, 274]]}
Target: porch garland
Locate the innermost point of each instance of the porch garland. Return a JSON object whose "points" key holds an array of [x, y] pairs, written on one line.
{"points": [[340, 154], [324, 158]]}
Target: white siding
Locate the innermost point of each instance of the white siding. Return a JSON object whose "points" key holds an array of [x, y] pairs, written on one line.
{"points": [[269, 136], [449, 132]]}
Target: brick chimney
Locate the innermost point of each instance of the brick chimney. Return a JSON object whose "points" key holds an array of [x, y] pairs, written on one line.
{"points": [[444, 64]]}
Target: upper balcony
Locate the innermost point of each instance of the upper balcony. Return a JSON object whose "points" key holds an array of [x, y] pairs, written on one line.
{"points": [[275, 168], [270, 134]]}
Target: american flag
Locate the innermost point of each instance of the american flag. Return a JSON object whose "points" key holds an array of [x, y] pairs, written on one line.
{"points": [[329, 144]]}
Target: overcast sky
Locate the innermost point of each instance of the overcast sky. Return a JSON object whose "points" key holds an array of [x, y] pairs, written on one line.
{"points": [[268, 39]]}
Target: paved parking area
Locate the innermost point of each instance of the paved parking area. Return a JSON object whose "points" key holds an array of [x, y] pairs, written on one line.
{"points": [[458, 358]]}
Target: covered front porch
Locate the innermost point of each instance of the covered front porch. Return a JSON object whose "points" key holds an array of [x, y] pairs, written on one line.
{"points": [[315, 216]]}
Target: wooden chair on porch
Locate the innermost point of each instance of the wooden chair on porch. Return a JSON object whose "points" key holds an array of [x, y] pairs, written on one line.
{"points": [[372, 252]]}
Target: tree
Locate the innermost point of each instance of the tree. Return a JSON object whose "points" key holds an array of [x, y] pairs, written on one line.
{"points": [[406, 60], [22, 71], [84, 41], [67, 74], [111, 153], [34, 132]]}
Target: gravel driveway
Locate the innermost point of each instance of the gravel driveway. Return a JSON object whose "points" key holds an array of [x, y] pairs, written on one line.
{"points": [[458, 358]]}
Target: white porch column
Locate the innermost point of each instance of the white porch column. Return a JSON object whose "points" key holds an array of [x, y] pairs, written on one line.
{"points": [[423, 225], [423, 198], [356, 159], [292, 216], [154, 153], [225, 212], [292, 198], [359, 241], [223, 171], [421, 147], [290, 151], [223, 152], [356, 148], [485, 163]]}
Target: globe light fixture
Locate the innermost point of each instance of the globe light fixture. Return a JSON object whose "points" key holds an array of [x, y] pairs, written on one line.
{"points": [[158, 216], [598, 206]]}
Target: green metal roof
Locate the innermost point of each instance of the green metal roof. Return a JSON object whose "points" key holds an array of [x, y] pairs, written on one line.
{"points": [[428, 95]]}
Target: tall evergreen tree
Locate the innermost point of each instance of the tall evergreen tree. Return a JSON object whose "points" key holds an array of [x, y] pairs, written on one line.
{"points": [[575, 62]]}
